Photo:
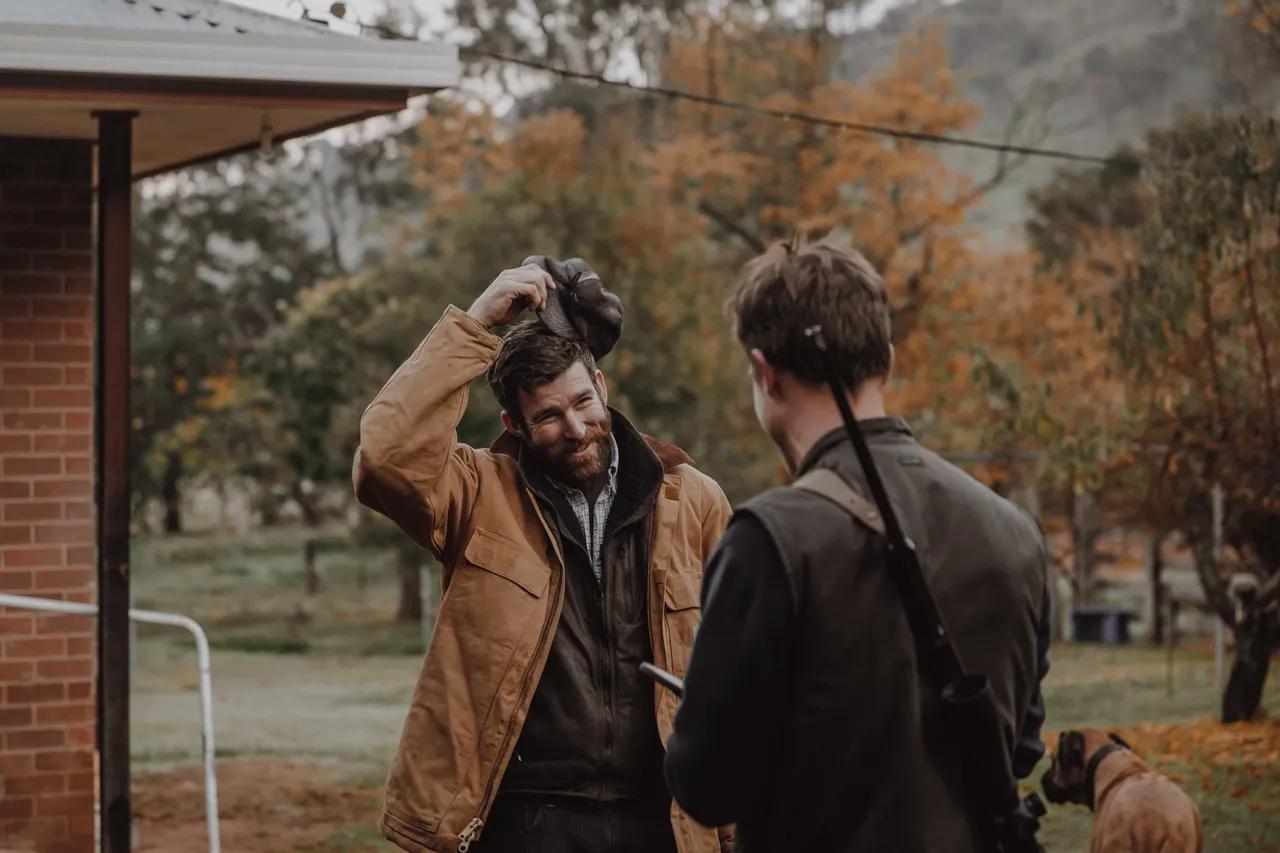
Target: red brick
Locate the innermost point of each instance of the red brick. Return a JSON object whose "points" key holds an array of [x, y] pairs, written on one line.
{"points": [[15, 718], [15, 398], [64, 353], [15, 307], [32, 511], [78, 464], [65, 804], [81, 736], [36, 783], [15, 622], [30, 284], [32, 694], [32, 558], [32, 330], [77, 196], [31, 466], [81, 783], [14, 353], [13, 443], [84, 595], [15, 534], [47, 579], [55, 714], [70, 218], [82, 827], [82, 689], [79, 376], [49, 833], [16, 376], [16, 582], [66, 533], [65, 760], [16, 763], [34, 649], [78, 285], [14, 671], [62, 398], [16, 807], [67, 668], [63, 624], [77, 240], [66, 308], [14, 489], [81, 262], [33, 420], [15, 216], [81, 556], [32, 238], [79, 421], [62, 488], [15, 261], [79, 511], [76, 331], [76, 442]]}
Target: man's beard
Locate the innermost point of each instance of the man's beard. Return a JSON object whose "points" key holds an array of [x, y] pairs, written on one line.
{"points": [[577, 463]]}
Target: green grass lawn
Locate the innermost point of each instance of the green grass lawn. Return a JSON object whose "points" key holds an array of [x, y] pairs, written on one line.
{"points": [[249, 593]]}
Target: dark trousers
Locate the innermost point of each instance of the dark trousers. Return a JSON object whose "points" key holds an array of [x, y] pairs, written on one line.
{"points": [[539, 824]]}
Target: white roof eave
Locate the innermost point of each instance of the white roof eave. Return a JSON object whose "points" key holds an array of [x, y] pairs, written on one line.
{"points": [[326, 59]]}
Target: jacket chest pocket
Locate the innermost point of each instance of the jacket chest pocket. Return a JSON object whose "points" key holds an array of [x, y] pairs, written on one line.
{"points": [[494, 590], [680, 615]]}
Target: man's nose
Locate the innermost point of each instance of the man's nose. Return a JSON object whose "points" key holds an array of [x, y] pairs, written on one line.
{"points": [[575, 427]]}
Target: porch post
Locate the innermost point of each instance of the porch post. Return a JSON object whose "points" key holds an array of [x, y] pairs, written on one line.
{"points": [[111, 459]]}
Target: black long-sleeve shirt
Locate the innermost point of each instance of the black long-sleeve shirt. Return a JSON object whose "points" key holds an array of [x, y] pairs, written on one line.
{"points": [[724, 746]]}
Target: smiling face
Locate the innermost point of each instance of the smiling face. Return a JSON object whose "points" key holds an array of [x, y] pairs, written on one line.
{"points": [[565, 425]]}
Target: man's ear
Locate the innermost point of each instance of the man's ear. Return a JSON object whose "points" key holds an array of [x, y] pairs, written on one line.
{"points": [[512, 426], [893, 364], [602, 388], [765, 373]]}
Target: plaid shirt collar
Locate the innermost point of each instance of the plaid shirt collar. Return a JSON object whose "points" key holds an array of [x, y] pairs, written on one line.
{"points": [[594, 517]]}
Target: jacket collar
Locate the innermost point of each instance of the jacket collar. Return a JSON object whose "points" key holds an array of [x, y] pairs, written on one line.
{"points": [[872, 428]]}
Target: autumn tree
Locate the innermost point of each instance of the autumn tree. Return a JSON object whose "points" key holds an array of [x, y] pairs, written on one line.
{"points": [[1178, 265]]}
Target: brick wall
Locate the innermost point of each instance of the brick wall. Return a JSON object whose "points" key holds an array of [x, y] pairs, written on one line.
{"points": [[47, 779]]}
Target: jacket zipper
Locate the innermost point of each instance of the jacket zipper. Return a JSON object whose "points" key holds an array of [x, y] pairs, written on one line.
{"points": [[471, 831]]}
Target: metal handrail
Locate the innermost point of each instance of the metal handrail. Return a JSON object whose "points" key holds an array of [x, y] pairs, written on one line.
{"points": [[176, 620]]}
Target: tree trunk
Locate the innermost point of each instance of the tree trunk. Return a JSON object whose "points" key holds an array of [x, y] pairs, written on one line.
{"points": [[1254, 644], [171, 495], [1084, 536], [1155, 591], [410, 609], [309, 564]]}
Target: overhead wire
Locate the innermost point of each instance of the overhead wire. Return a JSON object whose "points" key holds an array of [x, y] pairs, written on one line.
{"points": [[787, 115]]}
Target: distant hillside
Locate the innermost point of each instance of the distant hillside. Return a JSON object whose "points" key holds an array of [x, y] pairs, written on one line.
{"points": [[1108, 70]]}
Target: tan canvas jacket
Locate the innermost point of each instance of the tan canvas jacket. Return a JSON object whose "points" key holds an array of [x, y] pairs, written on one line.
{"points": [[503, 590]]}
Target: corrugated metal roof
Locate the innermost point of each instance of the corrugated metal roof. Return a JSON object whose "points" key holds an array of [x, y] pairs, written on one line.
{"points": [[191, 16]]}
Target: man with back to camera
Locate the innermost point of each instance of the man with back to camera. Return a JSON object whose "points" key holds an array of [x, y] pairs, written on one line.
{"points": [[572, 551], [806, 718]]}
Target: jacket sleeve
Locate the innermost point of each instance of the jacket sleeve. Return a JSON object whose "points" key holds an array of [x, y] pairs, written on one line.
{"points": [[409, 465]]}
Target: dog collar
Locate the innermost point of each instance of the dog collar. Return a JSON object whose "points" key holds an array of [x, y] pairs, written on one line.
{"points": [[1092, 768]]}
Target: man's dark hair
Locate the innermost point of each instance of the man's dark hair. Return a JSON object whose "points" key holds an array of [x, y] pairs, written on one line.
{"points": [[533, 355], [792, 287]]}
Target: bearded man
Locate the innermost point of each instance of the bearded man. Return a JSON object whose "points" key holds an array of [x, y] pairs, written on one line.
{"points": [[572, 550]]}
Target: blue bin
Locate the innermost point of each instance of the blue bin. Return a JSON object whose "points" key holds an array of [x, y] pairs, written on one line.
{"points": [[1106, 625]]}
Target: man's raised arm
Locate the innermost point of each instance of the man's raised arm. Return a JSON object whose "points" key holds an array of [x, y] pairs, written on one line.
{"points": [[409, 465]]}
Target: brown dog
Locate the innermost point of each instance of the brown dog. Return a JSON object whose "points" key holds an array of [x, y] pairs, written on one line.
{"points": [[1135, 807]]}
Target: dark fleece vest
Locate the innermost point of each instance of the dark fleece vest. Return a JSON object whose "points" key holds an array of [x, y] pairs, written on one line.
{"points": [[591, 730]]}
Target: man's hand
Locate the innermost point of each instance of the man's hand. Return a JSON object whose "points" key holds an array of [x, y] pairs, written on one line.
{"points": [[510, 293]]}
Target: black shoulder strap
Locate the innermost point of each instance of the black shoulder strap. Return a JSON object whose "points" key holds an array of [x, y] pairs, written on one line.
{"points": [[835, 488]]}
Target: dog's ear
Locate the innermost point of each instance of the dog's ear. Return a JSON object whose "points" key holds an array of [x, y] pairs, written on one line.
{"points": [[1116, 739]]}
